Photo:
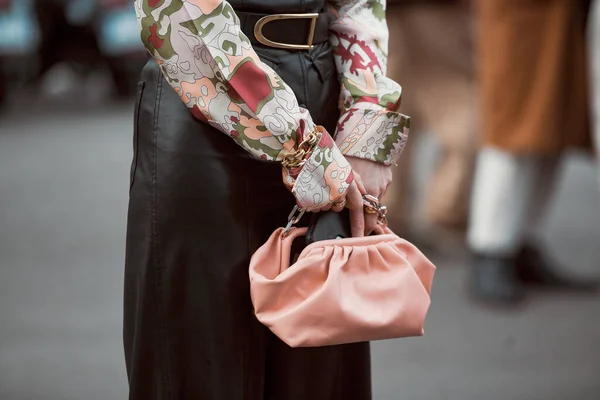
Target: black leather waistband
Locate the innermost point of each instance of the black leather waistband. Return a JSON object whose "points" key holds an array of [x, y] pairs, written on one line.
{"points": [[288, 31]]}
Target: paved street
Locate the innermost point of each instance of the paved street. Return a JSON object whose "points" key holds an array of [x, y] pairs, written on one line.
{"points": [[63, 195]]}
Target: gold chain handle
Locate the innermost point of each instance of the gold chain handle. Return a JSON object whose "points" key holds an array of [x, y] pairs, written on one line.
{"points": [[296, 158], [373, 206]]}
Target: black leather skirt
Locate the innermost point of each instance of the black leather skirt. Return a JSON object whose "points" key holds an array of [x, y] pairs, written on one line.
{"points": [[199, 207]]}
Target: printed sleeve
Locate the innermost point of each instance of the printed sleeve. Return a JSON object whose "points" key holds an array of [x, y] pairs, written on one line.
{"points": [[212, 66], [370, 125]]}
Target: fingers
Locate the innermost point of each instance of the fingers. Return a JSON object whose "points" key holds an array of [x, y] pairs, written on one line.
{"points": [[361, 223], [378, 230], [357, 223], [338, 205], [371, 223], [354, 202], [359, 184]]}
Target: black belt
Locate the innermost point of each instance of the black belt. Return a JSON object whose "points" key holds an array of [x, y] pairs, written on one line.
{"points": [[286, 31]]}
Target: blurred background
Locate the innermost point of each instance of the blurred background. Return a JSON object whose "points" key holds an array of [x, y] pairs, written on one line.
{"points": [[499, 186]]}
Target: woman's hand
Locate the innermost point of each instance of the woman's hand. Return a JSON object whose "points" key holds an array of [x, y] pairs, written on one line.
{"points": [[369, 178], [374, 178], [353, 200]]}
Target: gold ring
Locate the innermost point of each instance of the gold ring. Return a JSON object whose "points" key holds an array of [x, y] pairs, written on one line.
{"points": [[340, 203], [371, 210]]}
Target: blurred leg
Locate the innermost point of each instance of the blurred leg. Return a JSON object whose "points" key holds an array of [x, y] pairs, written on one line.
{"points": [[399, 198], [510, 197], [532, 263], [447, 98], [546, 174], [431, 56], [503, 194], [447, 199], [51, 19]]}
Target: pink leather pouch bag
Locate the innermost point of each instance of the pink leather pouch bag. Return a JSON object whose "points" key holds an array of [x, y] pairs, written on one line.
{"points": [[341, 291]]}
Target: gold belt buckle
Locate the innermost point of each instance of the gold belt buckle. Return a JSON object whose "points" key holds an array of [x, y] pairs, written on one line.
{"points": [[275, 17]]}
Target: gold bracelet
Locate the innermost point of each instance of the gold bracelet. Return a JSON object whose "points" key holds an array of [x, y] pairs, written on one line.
{"points": [[296, 157]]}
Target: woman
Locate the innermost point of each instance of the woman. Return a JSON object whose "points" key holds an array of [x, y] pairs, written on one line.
{"points": [[202, 203]]}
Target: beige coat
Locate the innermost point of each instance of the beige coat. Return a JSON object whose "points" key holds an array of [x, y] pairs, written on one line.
{"points": [[533, 74]]}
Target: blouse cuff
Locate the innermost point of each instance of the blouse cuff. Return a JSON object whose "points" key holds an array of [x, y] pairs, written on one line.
{"points": [[323, 177], [369, 126], [373, 133]]}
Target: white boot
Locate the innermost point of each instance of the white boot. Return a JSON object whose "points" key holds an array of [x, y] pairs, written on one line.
{"points": [[510, 194]]}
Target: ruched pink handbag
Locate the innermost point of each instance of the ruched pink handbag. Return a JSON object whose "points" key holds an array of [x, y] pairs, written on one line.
{"points": [[341, 291]]}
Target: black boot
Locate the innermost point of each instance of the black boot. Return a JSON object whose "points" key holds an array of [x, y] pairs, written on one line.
{"points": [[494, 280], [534, 269]]}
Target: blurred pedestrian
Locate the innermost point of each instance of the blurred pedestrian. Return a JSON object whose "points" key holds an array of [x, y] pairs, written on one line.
{"points": [[224, 105], [431, 51], [533, 77], [67, 36]]}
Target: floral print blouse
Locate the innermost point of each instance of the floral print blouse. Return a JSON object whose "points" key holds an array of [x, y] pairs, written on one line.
{"points": [[212, 66]]}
